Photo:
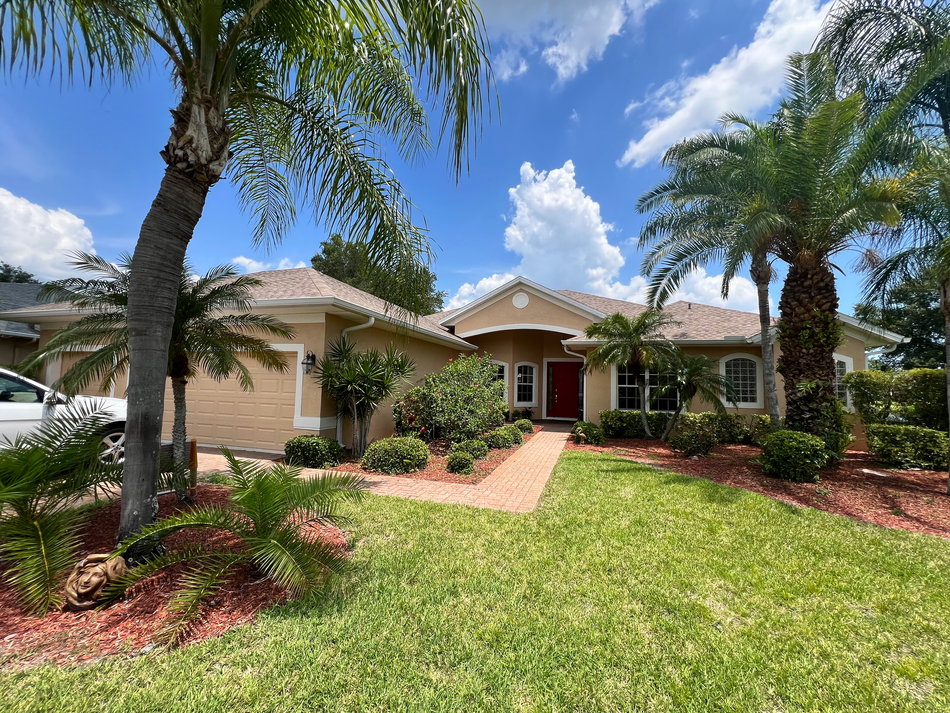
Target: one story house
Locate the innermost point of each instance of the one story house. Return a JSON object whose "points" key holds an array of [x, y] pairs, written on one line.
{"points": [[533, 333], [17, 339]]}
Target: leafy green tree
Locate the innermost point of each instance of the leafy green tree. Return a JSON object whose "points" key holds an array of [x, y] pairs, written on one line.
{"points": [[213, 329], [271, 510], [347, 262], [358, 382], [291, 100], [9, 273], [694, 376], [912, 309], [636, 342], [43, 475]]}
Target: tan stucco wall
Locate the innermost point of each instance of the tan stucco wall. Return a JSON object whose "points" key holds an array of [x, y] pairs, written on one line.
{"points": [[13, 350], [540, 310]]}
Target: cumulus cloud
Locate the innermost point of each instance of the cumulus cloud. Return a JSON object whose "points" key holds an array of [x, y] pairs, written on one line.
{"points": [[746, 80], [562, 239], [39, 239], [251, 265], [568, 34]]}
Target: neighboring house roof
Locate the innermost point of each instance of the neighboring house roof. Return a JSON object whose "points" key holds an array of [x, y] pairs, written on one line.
{"points": [[300, 286], [16, 295]]}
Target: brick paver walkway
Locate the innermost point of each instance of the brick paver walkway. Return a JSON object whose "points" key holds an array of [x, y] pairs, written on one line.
{"points": [[514, 486]]}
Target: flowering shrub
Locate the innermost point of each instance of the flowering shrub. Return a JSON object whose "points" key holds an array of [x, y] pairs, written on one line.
{"points": [[460, 402]]}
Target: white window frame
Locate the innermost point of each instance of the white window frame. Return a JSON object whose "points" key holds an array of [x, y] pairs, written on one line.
{"points": [[848, 368], [533, 403], [759, 378], [614, 400], [499, 362]]}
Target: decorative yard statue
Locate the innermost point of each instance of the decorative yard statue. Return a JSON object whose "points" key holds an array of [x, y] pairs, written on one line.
{"points": [[89, 578]]}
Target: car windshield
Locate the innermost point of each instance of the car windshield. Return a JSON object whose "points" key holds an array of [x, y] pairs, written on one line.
{"points": [[16, 391]]}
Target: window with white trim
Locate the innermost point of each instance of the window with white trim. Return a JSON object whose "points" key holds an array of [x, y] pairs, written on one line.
{"points": [[659, 399], [841, 391], [744, 375], [628, 395], [526, 381], [502, 374]]}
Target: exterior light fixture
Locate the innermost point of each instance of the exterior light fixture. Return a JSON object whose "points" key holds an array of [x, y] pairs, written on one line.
{"points": [[309, 362]]}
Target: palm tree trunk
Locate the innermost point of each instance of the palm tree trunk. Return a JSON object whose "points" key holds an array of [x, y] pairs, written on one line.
{"points": [[642, 388], [809, 333], [761, 274], [153, 291], [179, 435], [364, 433], [671, 424], [945, 308]]}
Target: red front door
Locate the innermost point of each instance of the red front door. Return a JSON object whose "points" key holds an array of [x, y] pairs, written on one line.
{"points": [[563, 389]]}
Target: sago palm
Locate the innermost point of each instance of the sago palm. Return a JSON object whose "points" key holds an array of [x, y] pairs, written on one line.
{"points": [[358, 382], [635, 342], [213, 329], [692, 376], [292, 100], [271, 510], [698, 216], [43, 474]]}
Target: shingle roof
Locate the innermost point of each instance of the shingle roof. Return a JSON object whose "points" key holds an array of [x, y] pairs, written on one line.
{"points": [[15, 295]]}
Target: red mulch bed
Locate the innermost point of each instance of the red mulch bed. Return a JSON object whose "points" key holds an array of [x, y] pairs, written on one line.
{"points": [[914, 500], [130, 626], [436, 469]]}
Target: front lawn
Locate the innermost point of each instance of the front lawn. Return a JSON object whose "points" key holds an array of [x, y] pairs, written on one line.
{"points": [[628, 589]]}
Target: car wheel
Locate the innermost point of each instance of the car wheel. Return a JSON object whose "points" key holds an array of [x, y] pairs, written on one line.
{"points": [[113, 446]]}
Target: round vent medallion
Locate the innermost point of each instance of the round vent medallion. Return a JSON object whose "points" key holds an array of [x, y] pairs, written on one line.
{"points": [[520, 300]]}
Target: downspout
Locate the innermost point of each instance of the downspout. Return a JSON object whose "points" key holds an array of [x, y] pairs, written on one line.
{"points": [[584, 358], [339, 419]]}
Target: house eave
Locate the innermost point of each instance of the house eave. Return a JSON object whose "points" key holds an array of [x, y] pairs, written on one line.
{"points": [[490, 297]]}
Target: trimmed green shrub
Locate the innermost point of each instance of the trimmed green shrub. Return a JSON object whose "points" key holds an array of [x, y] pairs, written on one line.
{"points": [[594, 434], [628, 424], [759, 427], [313, 452], [525, 426], [499, 439], [461, 463], [792, 455], [657, 421], [396, 455], [727, 427], [515, 434], [921, 396], [908, 446], [459, 402], [476, 449], [872, 393], [695, 435]]}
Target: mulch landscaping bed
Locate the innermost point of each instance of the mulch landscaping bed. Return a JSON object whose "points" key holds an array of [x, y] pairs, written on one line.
{"points": [[914, 500], [436, 469], [130, 626]]}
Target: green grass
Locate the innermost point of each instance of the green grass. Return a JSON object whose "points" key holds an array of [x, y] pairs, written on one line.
{"points": [[628, 589]]}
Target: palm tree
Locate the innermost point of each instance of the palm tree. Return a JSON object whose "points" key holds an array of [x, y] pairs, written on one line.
{"points": [[271, 511], [698, 217], [358, 382], [695, 376], [292, 98], [635, 342], [213, 329]]}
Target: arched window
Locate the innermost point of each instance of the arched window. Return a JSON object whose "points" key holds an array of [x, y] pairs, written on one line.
{"points": [[745, 373], [526, 384]]}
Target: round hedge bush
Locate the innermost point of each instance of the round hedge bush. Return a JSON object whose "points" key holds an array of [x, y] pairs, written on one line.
{"points": [[524, 425], [396, 455], [476, 449], [313, 452], [695, 435], [498, 439], [795, 456], [515, 436], [593, 434], [460, 462]]}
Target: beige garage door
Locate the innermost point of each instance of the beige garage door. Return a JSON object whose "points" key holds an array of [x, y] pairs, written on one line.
{"points": [[220, 413]]}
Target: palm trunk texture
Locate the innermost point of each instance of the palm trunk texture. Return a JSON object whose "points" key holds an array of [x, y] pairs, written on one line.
{"points": [[761, 274], [945, 308], [809, 334], [641, 386], [179, 436]]}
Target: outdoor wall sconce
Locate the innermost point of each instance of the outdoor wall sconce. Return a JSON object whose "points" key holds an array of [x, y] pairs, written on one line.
{"points": [[309, 362]]}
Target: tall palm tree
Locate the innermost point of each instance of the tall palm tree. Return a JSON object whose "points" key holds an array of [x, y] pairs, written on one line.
{"points": [[695, 375], [698, 216], [213, 329], [635, 342], [291, 97], [358, 382]]}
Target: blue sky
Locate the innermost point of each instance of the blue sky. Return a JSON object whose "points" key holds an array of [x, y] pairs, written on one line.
{"points": [[591, 94]]}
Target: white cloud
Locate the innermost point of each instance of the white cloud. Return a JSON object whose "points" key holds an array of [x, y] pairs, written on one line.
{"points": [[251, 265], [562, 239], [568, 33], [746, 80], [575, 117], [38, 239]]}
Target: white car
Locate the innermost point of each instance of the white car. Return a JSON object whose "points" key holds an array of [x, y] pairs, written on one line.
{"points": [[25, 404]]}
